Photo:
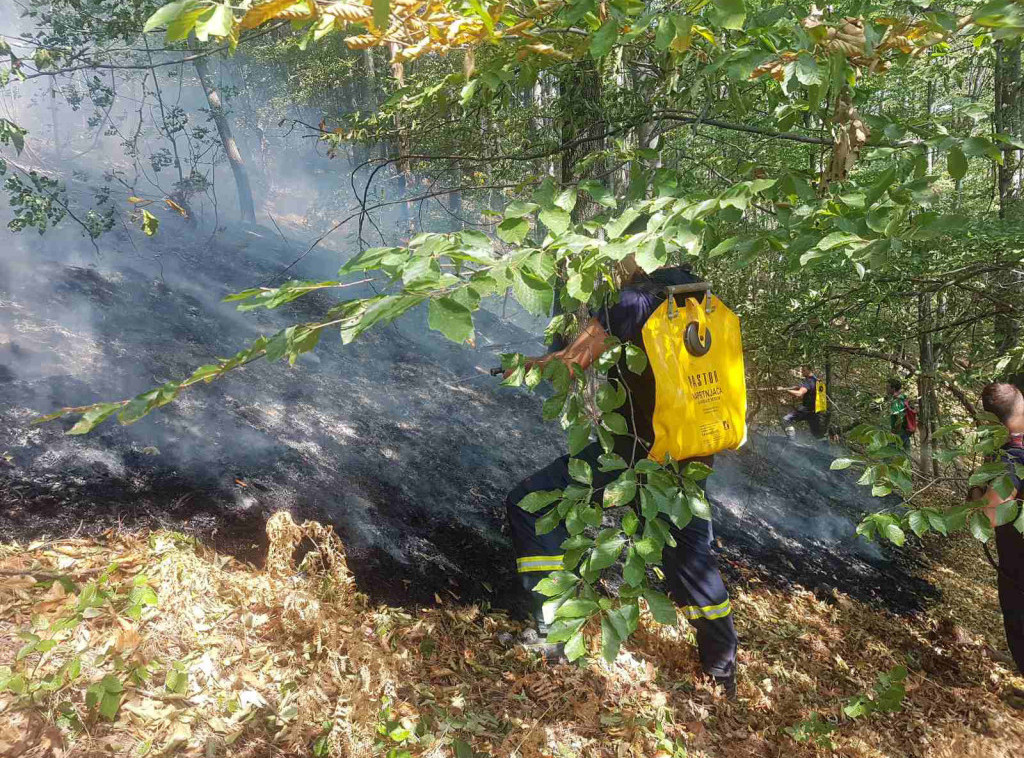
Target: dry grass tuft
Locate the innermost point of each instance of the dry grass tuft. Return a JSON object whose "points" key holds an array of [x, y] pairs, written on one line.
{"points": [[193, 653]]}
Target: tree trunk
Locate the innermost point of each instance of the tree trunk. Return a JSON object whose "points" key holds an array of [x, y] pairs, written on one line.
{"points": [[1007, 118], [925, 381], [245, 203], [55, 121], [581, 119], [579, 94], [404, 178]]}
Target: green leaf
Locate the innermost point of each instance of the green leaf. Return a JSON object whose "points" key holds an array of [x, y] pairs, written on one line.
{"points": [[576, 608], [662, 608], [605, 552], [618, 227], [1006, 513], [604, 39], [636, 359], [566, 199], [980, 146], [578, 437], [533, 293], [665, 34], [176, 681], [93, 417], [610, 397], [219, 21], [552, 407], [625, 619], [150, 223], [615, 423], [918, 522], [630, 522], [381, 13], [535, 501], [513, 230], [600, 193], [547, 522], [518, 209], [580, 471], [893, 533], [837, 239], [807, 71], [635, 569], [110, 702], [879, 187], [575, 648], [956, 162], [981, 528], [555, 219], [621, 491], [697, 471], [169, 13], [462, 749], [610, 640], [563, 629], [611, 462], [556, 583], [728, 14], [452, 319]]}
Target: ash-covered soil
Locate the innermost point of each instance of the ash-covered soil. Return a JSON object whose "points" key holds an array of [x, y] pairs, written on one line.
{"points": [[380, 438]]}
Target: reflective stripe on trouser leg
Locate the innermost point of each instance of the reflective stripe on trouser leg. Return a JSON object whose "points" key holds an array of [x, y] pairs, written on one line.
{"points": [[539, 554], [695, 584], [543, 563]]}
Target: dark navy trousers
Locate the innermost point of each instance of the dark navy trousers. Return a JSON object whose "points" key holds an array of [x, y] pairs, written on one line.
{"points": [[691, 569]]}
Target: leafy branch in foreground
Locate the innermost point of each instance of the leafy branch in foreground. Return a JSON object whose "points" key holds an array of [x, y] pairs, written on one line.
{"points": [[888, 470]]}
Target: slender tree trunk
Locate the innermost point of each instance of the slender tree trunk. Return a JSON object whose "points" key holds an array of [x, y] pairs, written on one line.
{"points": [[925, 381], [404, 177], [1008, 118], [579, 119], [245, 202], [55, 121]]}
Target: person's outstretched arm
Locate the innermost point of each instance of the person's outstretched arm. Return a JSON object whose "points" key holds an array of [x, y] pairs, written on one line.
{"points": [[582, 351]]}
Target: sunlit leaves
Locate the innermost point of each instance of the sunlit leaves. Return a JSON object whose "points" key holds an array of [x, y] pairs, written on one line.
{"points": [[513, 230], [539, 500], [533, 293], [729, 14], [621, 491], [603, 40], [150, 223], [956, 163]]}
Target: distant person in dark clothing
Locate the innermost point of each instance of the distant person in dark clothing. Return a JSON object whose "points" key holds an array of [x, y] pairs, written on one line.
{"points": [[1005, 402], [898, 412], [807, 393]]}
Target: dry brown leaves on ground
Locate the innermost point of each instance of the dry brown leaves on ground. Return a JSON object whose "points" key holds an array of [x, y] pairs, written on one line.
{"points": [[178, 650]]}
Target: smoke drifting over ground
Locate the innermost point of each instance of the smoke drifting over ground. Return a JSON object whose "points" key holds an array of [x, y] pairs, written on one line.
{"points": [[393, 439], [377, 437]]}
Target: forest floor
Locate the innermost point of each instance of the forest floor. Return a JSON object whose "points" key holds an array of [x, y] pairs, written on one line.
{"points": [[149, 643]]}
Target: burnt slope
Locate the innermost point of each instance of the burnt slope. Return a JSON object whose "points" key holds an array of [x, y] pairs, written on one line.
{"points": [[379, 437]]}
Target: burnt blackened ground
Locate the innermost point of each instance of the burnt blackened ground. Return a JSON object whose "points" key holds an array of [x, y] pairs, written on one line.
{"points": [[380, 438], [781, 511]]}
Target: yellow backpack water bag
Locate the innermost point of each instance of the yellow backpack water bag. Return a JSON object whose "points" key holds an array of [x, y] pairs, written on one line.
{"points": [[821, 398], [696, 354]]}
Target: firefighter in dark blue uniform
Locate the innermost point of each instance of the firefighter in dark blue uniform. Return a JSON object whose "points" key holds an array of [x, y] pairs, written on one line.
{"points": [[807, 393], [691, 570]]}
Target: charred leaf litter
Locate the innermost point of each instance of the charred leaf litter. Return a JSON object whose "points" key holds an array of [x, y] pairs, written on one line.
{"points": [[388, 439]]}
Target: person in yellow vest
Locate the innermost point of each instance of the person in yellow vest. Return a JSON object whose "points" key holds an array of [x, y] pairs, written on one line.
{"points": [[647, 314], [811, 392]]}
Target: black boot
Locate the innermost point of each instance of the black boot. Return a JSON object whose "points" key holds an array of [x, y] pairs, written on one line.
{"points": [[728, 685], [535, 639]]}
